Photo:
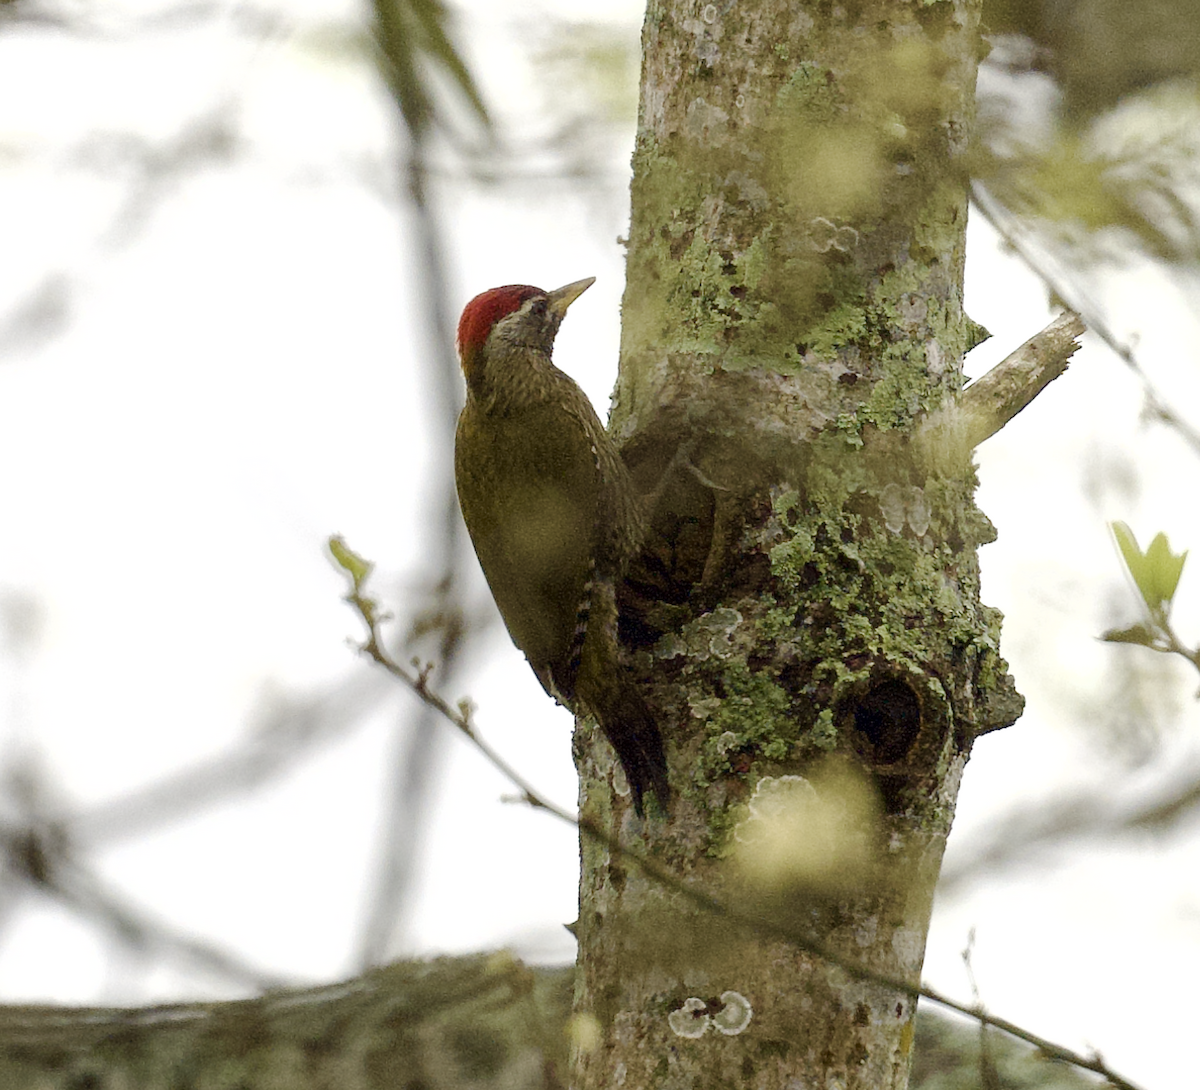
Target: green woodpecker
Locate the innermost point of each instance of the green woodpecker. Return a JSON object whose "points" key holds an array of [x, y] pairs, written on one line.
{"points": [[553, 516]]}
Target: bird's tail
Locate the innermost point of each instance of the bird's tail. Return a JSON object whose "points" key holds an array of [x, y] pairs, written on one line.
{"points": [[611, 694], [630, 726]]}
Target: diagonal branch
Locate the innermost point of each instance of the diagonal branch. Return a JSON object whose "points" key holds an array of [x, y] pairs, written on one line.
{"points": [[992, 400], [756, 923]]}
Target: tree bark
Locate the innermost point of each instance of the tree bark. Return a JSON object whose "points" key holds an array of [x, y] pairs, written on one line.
{"points": [[807, 616]]}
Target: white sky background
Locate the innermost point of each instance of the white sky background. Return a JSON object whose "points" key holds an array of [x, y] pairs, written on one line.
{"points": [[242, 373]]}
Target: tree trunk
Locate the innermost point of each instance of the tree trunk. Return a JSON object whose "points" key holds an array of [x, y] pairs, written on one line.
{"points": [[807, 617]]}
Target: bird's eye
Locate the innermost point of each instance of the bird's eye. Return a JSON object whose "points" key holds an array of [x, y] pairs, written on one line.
{"points": [[538, 307]]}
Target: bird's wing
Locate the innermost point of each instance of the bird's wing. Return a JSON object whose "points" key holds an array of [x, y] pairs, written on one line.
{"points": [[529, 490]]}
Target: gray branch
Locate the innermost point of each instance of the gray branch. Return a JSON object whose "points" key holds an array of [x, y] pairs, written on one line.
{"points": [[992, 400], [482, 1022]]}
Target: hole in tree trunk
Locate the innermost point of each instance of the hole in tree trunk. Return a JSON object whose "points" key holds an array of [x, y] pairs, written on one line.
{"points": [[889, 717]]}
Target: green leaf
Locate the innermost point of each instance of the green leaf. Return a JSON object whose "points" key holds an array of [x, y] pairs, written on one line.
{"points": [[1156, 571], [1164, 568], [1131, 553], [349, 561], [1136, 633]]}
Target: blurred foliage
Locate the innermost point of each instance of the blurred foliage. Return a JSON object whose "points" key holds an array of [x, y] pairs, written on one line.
{"points": [[1099, 51], [812, 833], [414, 48], [484, 1021], [949, 1054], [1133, 708], [1129, 178], [588, 73], [1109, 161], [593, 67]]}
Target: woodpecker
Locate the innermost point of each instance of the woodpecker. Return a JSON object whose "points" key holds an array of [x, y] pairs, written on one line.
{"points": [[553, 515]]}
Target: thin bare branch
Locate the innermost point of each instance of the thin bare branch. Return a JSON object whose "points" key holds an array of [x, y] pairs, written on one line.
{"points": [[290, 732], [51, 870], [755, 923], [1086, 815], [991, 401]]}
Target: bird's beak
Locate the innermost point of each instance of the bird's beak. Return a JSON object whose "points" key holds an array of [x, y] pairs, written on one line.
{"points": [[561, 298]]}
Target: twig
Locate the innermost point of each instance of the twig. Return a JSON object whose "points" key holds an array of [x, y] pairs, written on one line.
{"points": [[416, 752], [81, 890], [284, 736], [1094, 813], [992, 400], [459, 717]]}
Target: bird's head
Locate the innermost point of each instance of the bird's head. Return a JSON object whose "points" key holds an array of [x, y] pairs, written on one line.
{"points": [[514, 316]]}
